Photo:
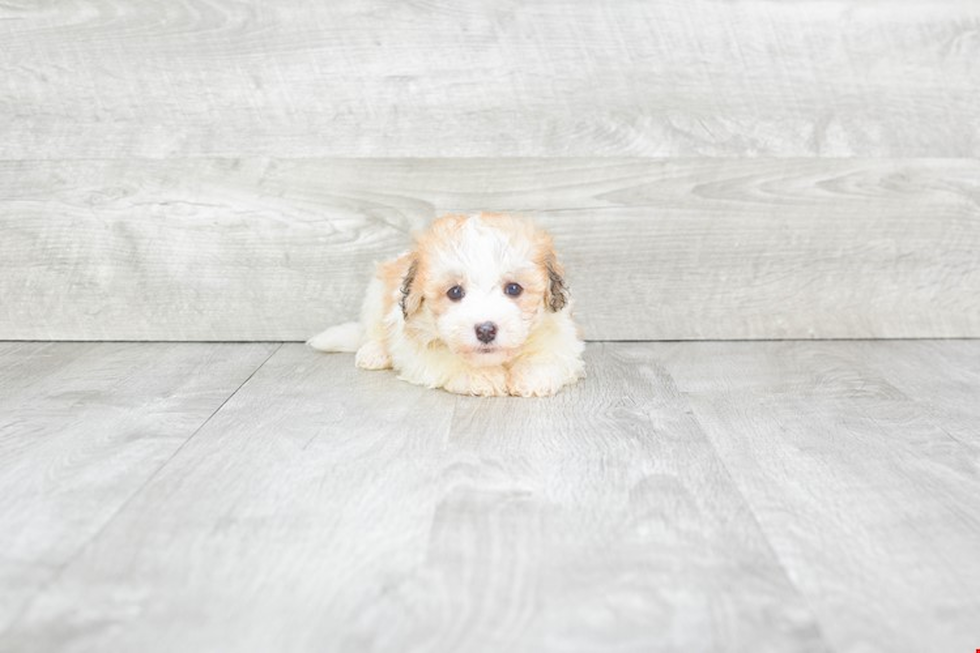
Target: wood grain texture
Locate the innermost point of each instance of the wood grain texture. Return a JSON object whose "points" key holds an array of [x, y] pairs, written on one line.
{"points": [[941, 379], [82, 428], [265, 249], [117, 78], [327, 508], [869, 494]]}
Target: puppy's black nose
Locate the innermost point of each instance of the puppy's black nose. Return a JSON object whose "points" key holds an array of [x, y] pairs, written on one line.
{"points": [[486, 332]]}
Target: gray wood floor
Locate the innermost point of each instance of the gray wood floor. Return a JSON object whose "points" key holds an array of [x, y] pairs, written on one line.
{"points": [[715, 496]]}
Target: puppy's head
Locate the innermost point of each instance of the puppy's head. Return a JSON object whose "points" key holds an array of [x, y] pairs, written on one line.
{"points": [[480, 285]]}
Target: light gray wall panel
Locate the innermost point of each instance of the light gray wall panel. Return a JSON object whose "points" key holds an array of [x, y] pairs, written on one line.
{"points": [[119, 78], [242, 249]]}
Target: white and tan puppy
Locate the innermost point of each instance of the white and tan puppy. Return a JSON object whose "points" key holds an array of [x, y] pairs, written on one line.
{"points": [[479, 307]]}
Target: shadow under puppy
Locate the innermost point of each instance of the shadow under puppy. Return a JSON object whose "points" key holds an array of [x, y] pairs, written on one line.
{"points": [[479, 307]]}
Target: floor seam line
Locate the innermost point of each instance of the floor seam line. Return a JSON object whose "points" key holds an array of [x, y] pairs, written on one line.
{"points": [[817, 623], [95, 536]]}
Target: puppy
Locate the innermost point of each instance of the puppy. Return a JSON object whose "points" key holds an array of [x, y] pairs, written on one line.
{"points": [[479, 307]]}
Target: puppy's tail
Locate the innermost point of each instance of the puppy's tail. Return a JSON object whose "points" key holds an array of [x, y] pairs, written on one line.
{"points": [[344, 337]]}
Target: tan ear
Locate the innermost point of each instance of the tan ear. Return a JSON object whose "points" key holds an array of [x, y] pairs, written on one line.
{"points": [[556, 294], [411, 299]]}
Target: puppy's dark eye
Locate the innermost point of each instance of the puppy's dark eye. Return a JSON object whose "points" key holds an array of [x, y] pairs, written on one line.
{"points": [[455, 293], [513, 289]]}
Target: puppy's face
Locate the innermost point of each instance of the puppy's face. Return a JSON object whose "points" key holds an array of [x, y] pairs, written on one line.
{"points": [[480, 285]]}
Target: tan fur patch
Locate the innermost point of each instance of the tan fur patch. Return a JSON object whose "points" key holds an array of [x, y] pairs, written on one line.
{"points": [[392, 274]]}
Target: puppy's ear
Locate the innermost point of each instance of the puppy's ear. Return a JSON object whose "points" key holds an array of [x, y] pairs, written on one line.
{"points": [[411, 298], [556, 292]]}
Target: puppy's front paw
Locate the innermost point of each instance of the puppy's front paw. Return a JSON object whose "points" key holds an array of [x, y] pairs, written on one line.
{"points": [[372, 356], [538, 380], [483, 383]]}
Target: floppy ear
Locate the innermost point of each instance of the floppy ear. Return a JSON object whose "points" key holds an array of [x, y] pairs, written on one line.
{"points": [[556, 294], [411, 298]]}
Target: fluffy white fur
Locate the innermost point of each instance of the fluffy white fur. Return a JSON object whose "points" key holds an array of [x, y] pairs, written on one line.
{"points": [[423, 312]]}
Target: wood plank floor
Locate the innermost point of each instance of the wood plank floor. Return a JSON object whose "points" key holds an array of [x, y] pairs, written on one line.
{"points": [[688, 496]]}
